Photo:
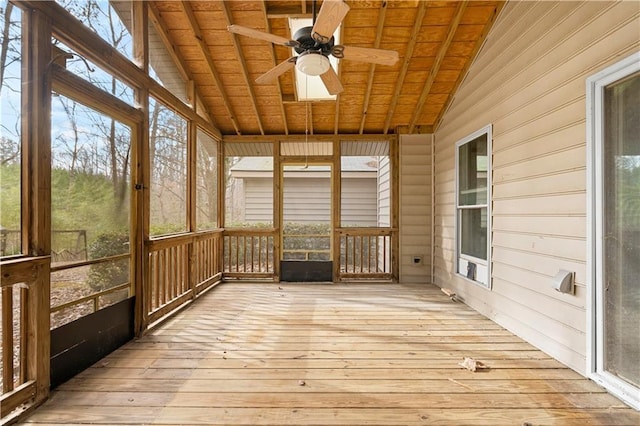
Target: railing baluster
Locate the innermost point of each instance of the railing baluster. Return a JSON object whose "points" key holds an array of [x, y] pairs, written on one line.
{"points": [[7, 339]]}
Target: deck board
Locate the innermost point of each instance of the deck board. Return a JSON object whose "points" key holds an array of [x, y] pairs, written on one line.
{"points": [[310, 354]]}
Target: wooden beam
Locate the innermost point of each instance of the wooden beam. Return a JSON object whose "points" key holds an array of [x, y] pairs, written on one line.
{"points": [[36, 194], [288, 11], [422, 9], [463, 72], [140, 34], [298, 138], [195, 27], [70, 85], [435, 68], [243, 65], [372, 68], [272, 51]]}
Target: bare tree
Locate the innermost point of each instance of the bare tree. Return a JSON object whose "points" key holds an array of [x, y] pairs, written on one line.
{"points": [[6, 38]]}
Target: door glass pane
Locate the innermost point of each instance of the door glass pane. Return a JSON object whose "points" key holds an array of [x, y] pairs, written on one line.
{"points": [[621, 243], [307, 212]]}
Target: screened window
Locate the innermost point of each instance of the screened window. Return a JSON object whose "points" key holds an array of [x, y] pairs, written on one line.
{"points": [[248, 185], [10, 135], [110, 20], [168, 159], [472, 205], [365, 172], [68, 58], [206, 182], [90, 178]]}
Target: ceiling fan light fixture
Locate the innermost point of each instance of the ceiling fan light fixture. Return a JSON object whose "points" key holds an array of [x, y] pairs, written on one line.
{"points": [[312, 63]]}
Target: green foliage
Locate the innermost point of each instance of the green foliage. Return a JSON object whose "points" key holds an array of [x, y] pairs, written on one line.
{"points": [[166, 229], [307, 228], [105, 275], [10, 196], [85, 201]]}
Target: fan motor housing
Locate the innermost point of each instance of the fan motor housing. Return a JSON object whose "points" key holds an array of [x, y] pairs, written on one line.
{"points": [[303, 36]]}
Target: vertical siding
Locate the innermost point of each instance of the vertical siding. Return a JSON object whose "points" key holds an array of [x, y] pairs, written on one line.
{"points": [[528, 81], [415, 207]]}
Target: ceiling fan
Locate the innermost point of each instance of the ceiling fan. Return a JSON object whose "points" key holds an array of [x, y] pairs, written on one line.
{"points": [[314, 45]]}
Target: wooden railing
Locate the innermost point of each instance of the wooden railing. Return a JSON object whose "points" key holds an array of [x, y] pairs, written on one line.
{"points": [[25, 333], [249, 253], [365, 253], [97, 298], [179, 267], [309, 250]]}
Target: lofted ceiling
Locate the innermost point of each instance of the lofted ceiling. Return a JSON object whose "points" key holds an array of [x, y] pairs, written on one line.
{"points": [[435, 40]]}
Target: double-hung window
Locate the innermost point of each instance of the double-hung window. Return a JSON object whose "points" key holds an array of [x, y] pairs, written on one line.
{"points": [[473, 206]]}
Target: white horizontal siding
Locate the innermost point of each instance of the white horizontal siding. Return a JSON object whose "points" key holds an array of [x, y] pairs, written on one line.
{"points": [[528, 81], [415, 207], [308, 200], [359, 205], [384, 191]]}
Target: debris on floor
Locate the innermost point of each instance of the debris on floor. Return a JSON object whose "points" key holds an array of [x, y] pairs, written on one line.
{"points": [[473, 365], [450, 293]]}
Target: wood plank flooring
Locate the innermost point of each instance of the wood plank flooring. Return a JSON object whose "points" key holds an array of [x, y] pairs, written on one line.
{"points": [[329, 354]]}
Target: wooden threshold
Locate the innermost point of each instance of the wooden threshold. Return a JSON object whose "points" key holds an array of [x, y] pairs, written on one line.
{"points": [[329, 354]]}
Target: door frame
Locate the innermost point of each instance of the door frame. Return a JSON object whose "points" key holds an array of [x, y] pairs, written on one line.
{"points": [[595, 86], [311, 160]]}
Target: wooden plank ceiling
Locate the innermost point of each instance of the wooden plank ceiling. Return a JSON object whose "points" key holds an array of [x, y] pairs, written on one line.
{"points": [[435, 40]]}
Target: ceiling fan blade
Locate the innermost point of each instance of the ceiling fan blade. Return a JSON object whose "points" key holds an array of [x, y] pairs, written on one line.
{"points": [[365, 54], [261, 35], [276, 71], [331, 13], [331, 81]]}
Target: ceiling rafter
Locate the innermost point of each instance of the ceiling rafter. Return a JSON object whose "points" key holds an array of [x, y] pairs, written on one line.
{"points": [[195, 27], [243, 65], [372, 68], [274, 59], [279, 12], [444, 47], [463, 72], [178, 60], [422, 10]]}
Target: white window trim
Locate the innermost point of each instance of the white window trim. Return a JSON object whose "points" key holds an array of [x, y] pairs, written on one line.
{"points": [[484, 266], [595, 132]]}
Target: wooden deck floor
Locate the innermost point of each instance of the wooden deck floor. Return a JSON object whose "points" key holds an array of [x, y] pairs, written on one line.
{"points": [[319, 354]]}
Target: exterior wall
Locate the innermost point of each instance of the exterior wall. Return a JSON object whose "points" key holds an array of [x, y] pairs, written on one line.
{"points": [[359, 202], [384, 192], [358, 206], [528, 81], [415, 207]]}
